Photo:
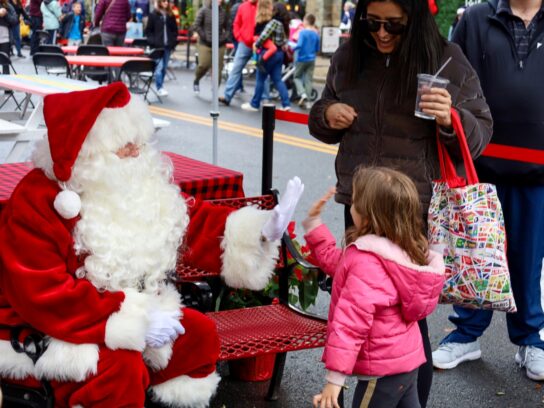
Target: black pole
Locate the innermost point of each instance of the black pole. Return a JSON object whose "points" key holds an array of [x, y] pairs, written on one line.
{"points": [[268, 146], [188, 57]]}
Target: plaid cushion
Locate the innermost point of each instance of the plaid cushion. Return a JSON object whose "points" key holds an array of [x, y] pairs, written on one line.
{"points": [[201, 180]]}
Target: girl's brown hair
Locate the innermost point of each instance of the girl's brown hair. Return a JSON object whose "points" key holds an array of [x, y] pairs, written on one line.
{"points": [[264, 11], [388, 204]]}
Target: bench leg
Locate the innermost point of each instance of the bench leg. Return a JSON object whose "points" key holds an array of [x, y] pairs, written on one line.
{"points": [[277, 374]]}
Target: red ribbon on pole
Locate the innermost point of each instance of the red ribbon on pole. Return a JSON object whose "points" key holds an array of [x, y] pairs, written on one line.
{"points": [[521, 154]]}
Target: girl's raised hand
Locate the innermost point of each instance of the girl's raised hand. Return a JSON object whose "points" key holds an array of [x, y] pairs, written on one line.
{"points": [[328, 397], [317, 207]]}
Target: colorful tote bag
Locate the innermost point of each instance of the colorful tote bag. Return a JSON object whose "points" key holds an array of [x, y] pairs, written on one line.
{"points": [[466, 225]]}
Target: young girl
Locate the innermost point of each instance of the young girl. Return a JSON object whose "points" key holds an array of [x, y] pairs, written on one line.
{"points": [[385, 280]]}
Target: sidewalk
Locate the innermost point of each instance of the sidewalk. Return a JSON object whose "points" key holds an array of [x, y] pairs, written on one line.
{"points": [[321, 68]]}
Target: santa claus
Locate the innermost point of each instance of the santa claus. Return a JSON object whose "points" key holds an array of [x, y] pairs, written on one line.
{"points": [[87, 241]]}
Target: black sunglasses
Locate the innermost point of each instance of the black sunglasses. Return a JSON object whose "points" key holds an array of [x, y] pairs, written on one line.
{"points": [[392, 27]]}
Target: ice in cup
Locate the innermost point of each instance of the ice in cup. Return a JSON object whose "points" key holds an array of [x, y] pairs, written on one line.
{"points": [[424, 83]]}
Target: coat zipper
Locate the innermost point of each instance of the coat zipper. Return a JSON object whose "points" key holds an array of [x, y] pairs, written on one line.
{"points": [[379, 104]]}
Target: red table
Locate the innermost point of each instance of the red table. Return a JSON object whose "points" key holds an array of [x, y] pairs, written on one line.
{"points": [[114, 51], [101, 60], [202, 180]]}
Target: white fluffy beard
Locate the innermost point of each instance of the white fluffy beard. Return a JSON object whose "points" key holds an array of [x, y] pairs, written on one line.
{"points": [[132, 219]]}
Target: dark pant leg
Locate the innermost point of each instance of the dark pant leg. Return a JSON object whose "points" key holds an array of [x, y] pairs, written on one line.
{"points": [[425, 372], [5, 47], [387, 392], [523, 208], [273, 66], [35, 24]]}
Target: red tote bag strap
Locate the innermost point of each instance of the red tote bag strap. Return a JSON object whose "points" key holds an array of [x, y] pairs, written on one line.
{"points": [[447, 168]]}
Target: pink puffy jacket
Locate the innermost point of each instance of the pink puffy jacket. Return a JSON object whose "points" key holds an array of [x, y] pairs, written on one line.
{"points": [[378, 296]]}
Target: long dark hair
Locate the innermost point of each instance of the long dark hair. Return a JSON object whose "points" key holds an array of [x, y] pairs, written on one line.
{"points": [[419, 51]]}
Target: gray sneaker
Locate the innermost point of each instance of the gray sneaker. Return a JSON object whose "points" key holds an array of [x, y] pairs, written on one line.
{"points": [[532, 358], [450, 355]]}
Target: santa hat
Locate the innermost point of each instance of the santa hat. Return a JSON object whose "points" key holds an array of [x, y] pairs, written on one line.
{"points": [[68, 133]]}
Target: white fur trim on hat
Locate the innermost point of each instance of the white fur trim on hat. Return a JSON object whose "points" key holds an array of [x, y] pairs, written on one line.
{"points": [[248, 261], [126, 328], [68, 204], [185, 391], [115, 127], [64, 361]]}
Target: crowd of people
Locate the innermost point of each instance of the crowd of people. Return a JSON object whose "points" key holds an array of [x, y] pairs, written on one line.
{"points": [[387, 279]]}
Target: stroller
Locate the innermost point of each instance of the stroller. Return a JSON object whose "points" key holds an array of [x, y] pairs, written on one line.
{"points": [[288, 75]]}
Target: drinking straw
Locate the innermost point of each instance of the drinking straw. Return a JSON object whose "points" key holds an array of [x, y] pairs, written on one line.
{"points": [[441, 68]]}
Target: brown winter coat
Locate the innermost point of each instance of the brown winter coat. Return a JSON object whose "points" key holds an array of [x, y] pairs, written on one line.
{"points": [[386, 133]]}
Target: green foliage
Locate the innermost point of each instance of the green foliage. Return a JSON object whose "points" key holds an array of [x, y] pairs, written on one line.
{"points": [[446, 13], [188, 19]]}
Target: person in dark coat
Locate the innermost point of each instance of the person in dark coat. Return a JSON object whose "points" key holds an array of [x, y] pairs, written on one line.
{"points": [[367, 106], [36, 23], [112, 17], [503, 40], [162, 32], [16, 29], [8, 20]]}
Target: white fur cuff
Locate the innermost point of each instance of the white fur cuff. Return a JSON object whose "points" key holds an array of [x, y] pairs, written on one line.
{"points": [[186, 392], [13, 365], [64, 361], [248, 261], [126, 328]]}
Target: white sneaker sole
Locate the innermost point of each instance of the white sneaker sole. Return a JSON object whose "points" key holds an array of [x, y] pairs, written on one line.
{"points": [[473, 355], [530, 374]]}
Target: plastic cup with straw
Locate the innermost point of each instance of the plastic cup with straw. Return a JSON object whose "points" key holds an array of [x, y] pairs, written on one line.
{"points": [[426, 82]]}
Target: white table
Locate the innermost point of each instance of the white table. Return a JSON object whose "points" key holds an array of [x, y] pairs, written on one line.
{"points": [[15, 138]]}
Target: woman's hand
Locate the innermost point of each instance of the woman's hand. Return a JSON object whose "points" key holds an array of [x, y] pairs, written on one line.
{"points": [[317, 207], [3, 12], [437, 102], [340, 116], [328, 397]]}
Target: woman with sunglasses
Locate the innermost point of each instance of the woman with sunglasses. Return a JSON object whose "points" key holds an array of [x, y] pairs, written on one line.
{"points": [[368, 107]]}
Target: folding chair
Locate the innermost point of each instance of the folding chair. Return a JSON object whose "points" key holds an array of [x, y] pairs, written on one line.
{"points": [[95, 73], [140, 43], [137, 76], [5, 62], [54, 64], [52, 49], [43, 37]]}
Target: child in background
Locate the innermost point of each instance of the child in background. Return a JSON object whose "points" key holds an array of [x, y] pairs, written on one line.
{"points": [[73, 25], [306, 49], [385, 280]]}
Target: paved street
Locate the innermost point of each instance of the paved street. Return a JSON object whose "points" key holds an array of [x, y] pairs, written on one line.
{"points": [[493, 382]]}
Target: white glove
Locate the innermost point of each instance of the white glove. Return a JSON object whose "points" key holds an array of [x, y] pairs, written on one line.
{"points": [[282, 213], [164, 327]]}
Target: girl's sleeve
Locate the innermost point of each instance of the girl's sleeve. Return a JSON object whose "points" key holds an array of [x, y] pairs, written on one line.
{"points": [[324, 249], [354, 313]]}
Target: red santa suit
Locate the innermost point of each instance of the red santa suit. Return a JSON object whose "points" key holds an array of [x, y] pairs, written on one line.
{"points": [[82, 265]]}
